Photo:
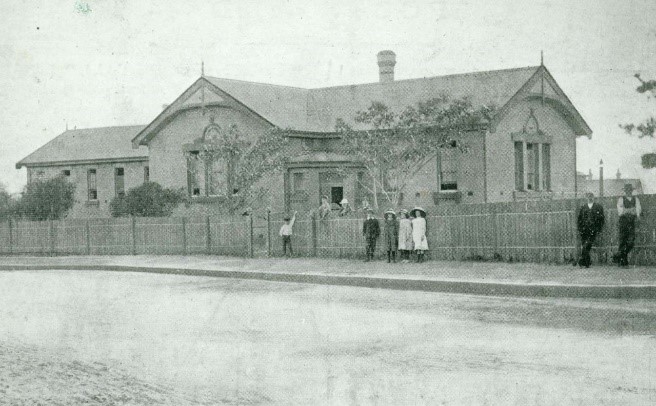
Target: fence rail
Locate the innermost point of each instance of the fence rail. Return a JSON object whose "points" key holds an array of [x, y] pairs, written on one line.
{"points": [[528, 231]]}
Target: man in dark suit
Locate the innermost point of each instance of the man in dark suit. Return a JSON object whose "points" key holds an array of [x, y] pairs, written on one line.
{"points": [[590, 222], [371, 231]]}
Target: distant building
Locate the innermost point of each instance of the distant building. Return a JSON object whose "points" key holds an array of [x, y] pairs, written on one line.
{"points": [[527, 151], [613, 186]]}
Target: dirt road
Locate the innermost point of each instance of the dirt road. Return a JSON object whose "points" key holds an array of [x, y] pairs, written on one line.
{"points": [[104, 338]]}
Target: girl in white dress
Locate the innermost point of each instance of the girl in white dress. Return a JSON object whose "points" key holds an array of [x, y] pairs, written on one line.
{"points": [[405, 235], [419, 233]]}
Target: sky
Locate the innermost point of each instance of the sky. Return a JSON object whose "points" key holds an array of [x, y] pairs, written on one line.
{"points": [[99, 63]]}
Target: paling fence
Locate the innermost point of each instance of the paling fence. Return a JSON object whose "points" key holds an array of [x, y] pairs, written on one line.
{"points": [[128, 236], [541, 231]]}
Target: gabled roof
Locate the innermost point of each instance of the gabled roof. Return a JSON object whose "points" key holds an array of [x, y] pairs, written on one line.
{"points": [[106, 143], [317, 110]]}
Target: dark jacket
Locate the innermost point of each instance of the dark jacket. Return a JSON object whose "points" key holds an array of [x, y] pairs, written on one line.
{"points": [[391, 234], [591, 220], [371, 229]]}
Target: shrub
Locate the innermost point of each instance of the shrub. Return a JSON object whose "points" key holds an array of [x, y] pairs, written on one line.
{"points": [[147, 200], [47, 199]]}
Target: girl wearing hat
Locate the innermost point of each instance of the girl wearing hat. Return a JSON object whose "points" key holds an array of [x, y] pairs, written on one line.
{"points": [[391, 235], [419, 233], [405, 235]]}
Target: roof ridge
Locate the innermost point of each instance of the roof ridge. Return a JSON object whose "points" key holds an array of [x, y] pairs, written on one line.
{"points": [[375, 83], [434, 77], [104, 127], [257, 83]]}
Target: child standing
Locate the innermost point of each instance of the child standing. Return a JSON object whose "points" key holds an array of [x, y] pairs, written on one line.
{"points": [[371, 231], [419, 233], [391, 235], [405, 235], [286, 234]]}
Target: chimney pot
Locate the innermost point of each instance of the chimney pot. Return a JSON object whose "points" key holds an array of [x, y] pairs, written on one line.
{"points": [[386, 62]]}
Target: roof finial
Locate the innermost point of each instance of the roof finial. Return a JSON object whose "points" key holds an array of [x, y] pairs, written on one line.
{"points": [[541, 58], [202, 68]]}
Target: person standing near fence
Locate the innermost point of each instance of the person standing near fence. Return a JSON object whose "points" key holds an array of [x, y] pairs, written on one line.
{"points": [[324, 208], [391, 235], [590, 222], [345, 208], [419, 233], [286, 234], [371, 232], [405, 235], [629, 210]]}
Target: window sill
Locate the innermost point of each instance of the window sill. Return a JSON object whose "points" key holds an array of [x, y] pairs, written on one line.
{"points": [[207, 199], [524, 195], [443, 195]]}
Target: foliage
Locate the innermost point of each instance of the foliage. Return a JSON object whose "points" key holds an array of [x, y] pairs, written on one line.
{"points": [[648, 127], [148, 200], [47, 199], [394, 147], [7, 203], [243, 162]]}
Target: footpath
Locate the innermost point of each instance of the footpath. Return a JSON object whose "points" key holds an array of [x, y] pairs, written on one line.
{"points": [[481, 278]]}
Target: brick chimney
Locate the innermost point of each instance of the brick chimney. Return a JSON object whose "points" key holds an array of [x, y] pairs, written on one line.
{"points": [[386, 62]]}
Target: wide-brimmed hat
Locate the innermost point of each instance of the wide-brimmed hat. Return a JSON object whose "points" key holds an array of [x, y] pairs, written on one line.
{"points": [[368, 210], [287, 218], [391, 211], [628, 186], [420, 209], [403, 211], [344, 201]]}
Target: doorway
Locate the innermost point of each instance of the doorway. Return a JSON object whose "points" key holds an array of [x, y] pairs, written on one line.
{"points": [[336, 194]]}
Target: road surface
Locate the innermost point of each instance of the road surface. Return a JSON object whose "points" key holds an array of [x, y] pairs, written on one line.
{"points": [[109, 338]]}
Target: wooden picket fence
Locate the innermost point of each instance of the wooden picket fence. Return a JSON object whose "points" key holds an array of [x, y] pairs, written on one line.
{"points": [[540, 231]]}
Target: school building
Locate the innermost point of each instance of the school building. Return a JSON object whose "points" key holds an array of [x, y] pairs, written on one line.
{"points": [[527, 151]]}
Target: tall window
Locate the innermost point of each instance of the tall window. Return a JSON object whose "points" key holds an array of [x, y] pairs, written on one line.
{"points": [[119, 182], [146, 174], [91, 184], [206, 177], [532, 166], [519, 165], [546, 166], [448, 169]]}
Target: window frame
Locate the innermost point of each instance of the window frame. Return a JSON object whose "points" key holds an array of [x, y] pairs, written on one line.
{"points": [[92, 180]]}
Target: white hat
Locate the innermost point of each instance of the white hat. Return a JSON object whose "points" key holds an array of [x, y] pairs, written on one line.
{"points": [[344, 201]]}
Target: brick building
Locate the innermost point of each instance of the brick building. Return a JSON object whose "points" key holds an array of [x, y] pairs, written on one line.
{"points": [[528, 150]]}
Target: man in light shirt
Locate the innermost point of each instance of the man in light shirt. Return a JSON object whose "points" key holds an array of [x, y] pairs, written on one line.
{"points": [[629, 210], [286, 234]]}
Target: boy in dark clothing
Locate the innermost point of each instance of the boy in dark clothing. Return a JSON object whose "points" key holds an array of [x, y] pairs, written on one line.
{"points": [[371, 231], [590, 222], [391, 235]]}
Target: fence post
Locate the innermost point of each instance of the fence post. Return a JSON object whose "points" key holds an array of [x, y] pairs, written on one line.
{"points": [[208, 235], [88, 234], [251, 251], [268, 219], [51, 234], [11, 237], [184, 236], [313, 221], [133, 229], [495, 230]]}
